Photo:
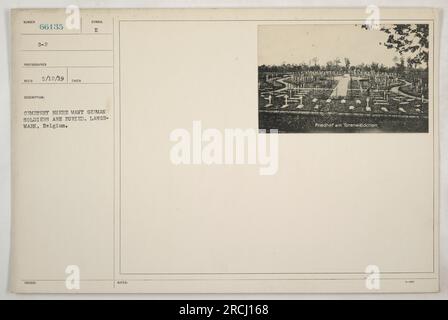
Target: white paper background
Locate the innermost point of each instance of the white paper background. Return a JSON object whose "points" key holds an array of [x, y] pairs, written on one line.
{"points": [[5, 176]]}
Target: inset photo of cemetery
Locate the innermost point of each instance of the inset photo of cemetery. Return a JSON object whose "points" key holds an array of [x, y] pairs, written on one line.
{"points": [[343, 78]]}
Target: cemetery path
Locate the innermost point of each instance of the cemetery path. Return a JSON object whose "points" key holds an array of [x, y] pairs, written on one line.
{"points": [[341, 89], [282, 81], [398, 91]]}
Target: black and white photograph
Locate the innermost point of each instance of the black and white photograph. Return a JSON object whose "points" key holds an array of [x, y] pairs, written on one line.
{"points": [[344, 78]]}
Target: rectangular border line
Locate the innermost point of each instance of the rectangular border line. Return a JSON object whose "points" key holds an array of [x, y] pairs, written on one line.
{"points": [[272, 273]]}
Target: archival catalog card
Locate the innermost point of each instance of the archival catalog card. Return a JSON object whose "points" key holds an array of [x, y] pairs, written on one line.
{"points": [[225, 150]]}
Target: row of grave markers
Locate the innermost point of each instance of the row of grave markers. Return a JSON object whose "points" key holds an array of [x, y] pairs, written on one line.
{"points": [[343, 101]]}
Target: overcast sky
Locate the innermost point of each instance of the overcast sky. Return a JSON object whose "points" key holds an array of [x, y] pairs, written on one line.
{"points": [[296, 44]]}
